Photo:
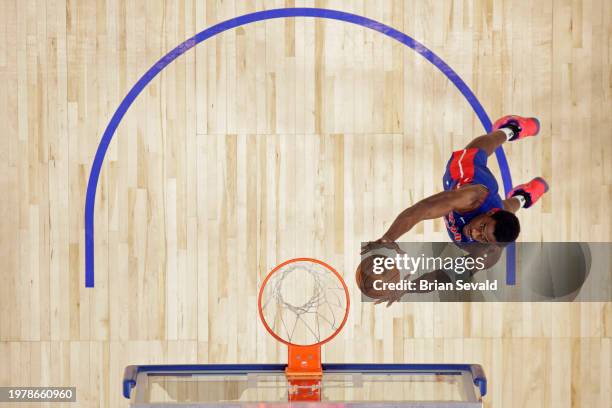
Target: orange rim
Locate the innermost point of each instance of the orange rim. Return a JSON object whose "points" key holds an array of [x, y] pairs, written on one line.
{"points": [[327, 266]]}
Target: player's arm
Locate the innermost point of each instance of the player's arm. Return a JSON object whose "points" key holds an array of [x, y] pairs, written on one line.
{"points": [[437, 205], [512, 205]]}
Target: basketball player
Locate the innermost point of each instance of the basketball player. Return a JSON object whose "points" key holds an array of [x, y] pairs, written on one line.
{"points": [[471, 206]]}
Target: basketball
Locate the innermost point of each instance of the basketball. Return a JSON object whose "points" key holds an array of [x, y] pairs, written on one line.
{"points": [[365, 276]]}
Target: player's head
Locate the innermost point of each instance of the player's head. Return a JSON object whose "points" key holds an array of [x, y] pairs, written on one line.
{"points": [[494, 227], [366, 279]]}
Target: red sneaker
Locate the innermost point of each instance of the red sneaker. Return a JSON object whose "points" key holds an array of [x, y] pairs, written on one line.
{"points": [[532, 191], [526, 126]]}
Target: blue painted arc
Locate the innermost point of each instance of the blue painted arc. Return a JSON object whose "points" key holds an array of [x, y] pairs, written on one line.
{"points": [[109, 132]]}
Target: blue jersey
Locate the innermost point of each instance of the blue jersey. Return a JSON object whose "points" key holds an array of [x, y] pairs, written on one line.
{"points": [[469, 166]]}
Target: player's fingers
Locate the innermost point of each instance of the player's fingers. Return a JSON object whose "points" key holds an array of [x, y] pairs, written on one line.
{"points": [[397, 298], [366, 248], [394, 246], [393, 300]]}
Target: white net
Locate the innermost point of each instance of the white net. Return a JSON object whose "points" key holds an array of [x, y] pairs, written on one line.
{"points": [[304, 303]]}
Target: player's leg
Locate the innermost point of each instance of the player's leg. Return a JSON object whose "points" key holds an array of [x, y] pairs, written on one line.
{"points": [[525, 195], [510, 128], [489, 142]]}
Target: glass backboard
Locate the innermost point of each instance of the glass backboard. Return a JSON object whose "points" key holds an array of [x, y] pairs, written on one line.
{"points": [[342, 385]]}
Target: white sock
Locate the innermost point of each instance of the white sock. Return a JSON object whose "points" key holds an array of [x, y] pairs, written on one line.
{"points": [[508, 132], [520, 199]]}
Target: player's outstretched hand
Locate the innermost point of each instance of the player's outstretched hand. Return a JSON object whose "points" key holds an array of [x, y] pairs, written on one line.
{"points": [[380, 243], [391, 298]]}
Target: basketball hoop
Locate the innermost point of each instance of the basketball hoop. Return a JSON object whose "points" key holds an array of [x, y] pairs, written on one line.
{"points": [[304, 303]]}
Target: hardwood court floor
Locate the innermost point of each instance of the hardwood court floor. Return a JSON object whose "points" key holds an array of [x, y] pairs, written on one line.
{"points": [[294, 137]]}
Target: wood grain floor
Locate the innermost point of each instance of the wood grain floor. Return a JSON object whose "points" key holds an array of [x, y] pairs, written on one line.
{"points": [[294, 137]]}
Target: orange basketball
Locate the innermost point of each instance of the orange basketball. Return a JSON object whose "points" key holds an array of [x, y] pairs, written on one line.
{"points": [[365, 277]]}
